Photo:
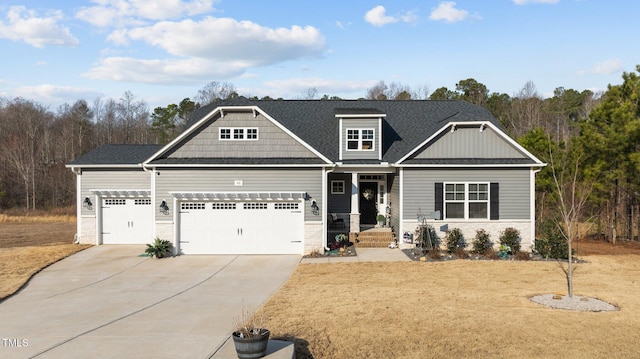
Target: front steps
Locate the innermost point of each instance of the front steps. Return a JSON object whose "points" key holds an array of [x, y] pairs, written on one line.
{"points": [[372, 238]]}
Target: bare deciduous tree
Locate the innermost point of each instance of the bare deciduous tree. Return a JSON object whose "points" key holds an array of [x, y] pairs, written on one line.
{"points": [[215, 91], [573, 189]]}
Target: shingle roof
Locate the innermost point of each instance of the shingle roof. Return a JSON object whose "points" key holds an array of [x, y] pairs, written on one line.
{"points": [[406, 125], [115, 154], [238, 161]]}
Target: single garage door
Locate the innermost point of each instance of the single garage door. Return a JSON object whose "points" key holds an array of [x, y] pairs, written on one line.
{"points": [[127, 221], [241, 227]]}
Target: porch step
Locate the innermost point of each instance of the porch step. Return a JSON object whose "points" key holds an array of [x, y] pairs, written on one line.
{"points": [[372, 238]]}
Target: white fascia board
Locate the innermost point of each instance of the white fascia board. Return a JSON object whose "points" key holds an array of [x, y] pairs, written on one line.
{"points": [[364, 169], [221, 110], [423, 143], [182, 135], [364, 115], [74, 167], [477, 123], [515, 144], [238, 165], [287, 131], [497, 165]]}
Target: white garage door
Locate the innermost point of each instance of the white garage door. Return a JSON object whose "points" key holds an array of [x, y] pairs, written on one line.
{"points": [[241, 227], [127, 221]]}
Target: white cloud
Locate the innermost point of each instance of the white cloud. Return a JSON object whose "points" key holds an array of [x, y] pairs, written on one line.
{"points": [[200, 49], [447, 12], [288, 87], [25, 25], [53, 94], [377, 16], [171, 71], [525, 2], [607, 67], [241, 43], [119, 13], [409, 16]]}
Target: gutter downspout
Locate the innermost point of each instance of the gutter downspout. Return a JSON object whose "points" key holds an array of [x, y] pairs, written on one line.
{"points": [[325, 199], [532, 205], [152, 173], [78, 173]]}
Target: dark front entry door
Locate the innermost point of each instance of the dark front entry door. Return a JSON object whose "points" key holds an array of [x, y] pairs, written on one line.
{"points": [[368, 194]]}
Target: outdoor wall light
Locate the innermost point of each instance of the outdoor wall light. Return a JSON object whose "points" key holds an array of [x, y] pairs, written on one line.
{"points": [[164, 208], [87, 203], [314, 207]]}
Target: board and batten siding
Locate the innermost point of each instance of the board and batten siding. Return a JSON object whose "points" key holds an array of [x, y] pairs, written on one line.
{"points": [[112, 180], [419, 184], [253, 180], [272, 141], [393, 199], [355, 124], [469, 142]]}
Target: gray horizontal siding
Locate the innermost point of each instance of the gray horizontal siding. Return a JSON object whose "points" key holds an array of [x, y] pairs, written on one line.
{"points": [[254, 180], [468, 142], [514, 189], [111, 180], [272, 141], [352, 124]]}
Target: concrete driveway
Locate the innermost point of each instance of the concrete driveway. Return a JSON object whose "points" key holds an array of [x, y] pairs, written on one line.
{"points": [[109, 302]]}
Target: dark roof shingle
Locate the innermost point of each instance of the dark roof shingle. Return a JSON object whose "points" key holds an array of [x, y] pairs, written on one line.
{"points": [[407, 123], [116, 154]]}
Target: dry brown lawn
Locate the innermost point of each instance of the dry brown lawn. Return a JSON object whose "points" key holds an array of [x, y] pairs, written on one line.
{"points": [[413, 309], [457, 309], [29, 244]]}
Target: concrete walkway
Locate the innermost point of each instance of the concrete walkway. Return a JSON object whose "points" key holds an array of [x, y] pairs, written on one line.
{"points": [[108, 302]]}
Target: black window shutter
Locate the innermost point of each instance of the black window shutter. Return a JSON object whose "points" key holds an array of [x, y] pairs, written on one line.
{"points": [[494, 198], [439, 199]]}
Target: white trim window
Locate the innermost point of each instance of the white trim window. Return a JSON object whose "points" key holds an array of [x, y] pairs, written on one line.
{"points": [[466, 200], [238, 134], [360, 139], [337, 187]]}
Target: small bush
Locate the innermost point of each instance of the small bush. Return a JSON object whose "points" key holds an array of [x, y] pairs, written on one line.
{"points": [[482, 243], [160, 248], [491, 254], [553, 244], [510, 237], [522, 256], [454, 239], [316, 253], [461, 253]]}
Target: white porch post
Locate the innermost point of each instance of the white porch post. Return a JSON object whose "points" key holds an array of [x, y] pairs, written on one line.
{"points": [[354, 221], [79, 200]]}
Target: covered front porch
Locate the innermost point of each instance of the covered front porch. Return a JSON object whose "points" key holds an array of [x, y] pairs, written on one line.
{"points": [[359, 206]]}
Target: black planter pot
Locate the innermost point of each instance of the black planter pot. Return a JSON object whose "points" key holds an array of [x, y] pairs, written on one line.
{"points": [[253, 347]]}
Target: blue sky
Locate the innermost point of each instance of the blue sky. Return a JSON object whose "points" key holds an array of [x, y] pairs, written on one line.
{"points": [[60, 51]]}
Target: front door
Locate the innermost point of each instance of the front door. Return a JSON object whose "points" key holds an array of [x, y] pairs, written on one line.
{"points": [[368, 194]]}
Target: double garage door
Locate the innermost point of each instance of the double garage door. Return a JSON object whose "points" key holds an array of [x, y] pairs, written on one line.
{"points": [[223, 227]]}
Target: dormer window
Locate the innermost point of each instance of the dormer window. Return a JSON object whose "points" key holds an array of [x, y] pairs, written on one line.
{"points": [[360, 139], [238, 133]]}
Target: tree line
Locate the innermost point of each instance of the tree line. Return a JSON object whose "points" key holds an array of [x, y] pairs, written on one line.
{"points": [[596, 133]]}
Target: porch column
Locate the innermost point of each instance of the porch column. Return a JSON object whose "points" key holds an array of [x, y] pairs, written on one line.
{"points": [[354, 221]]}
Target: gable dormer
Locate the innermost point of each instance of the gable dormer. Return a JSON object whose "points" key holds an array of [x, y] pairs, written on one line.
{"points": [[360, 133]]}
